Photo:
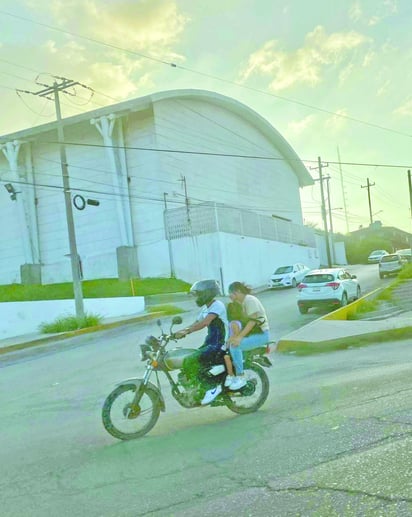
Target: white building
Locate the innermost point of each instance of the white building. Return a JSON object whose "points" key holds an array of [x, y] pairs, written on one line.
{"points": [[229, 180]]}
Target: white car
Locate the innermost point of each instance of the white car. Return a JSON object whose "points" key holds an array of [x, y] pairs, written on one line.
{"points": [[376, 255], [327, 287], [288, 276]]}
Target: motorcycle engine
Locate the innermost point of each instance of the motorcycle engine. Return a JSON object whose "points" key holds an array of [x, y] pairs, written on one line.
{"points": [[191, 396]]}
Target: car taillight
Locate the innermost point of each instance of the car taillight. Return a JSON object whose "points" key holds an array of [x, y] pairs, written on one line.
{"points": [[301, 286], [334, 285]]}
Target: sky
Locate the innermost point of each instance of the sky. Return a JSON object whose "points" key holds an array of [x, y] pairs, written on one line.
{"points": [[334, 78]]}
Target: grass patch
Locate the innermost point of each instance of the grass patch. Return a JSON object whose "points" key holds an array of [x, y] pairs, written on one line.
{"points": [[406, 273], [303, 348], [362, 308], [167, 310], [102, 288], [386, 294], [67, 323]]}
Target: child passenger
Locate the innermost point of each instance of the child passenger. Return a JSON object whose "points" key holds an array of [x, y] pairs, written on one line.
{"points": [[237, 320]]}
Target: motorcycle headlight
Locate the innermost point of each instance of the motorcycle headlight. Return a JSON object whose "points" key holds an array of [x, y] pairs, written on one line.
{"points": [[152, 342], [145, 352]]}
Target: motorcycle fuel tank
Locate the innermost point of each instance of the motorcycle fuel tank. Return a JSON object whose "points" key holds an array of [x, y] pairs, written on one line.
{"points": [[174, 359]]}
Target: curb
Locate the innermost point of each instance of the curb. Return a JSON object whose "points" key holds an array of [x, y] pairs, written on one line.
{"points": [[331, 345], [73, 333]]}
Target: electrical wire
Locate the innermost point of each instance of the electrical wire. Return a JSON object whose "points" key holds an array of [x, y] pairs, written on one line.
{"points": [[223, 155]]}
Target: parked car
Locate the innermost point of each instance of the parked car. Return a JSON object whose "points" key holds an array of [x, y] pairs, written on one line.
{"points": [[288, 276], [405, 254], [391, 265], [333, 287], [376, 255]]}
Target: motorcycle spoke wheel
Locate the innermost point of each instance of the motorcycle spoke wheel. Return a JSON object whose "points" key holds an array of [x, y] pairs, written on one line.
{"points": [[124, 422], [250, 398]]}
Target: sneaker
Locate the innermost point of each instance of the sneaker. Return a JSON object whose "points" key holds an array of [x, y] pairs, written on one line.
{"points": [[229, 379], [237, 383], [211, 395]]}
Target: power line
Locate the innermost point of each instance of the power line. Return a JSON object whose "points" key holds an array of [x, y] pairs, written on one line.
{"points": [[227, 155]]}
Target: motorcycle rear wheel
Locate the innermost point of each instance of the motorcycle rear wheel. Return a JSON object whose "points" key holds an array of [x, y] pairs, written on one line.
{"points": [[243, 404], [120, 422]]}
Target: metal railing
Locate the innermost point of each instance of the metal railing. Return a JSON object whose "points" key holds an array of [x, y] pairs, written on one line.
{"points": [[212, 217]]}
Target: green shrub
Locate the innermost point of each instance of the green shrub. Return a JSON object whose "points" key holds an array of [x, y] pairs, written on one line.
{"points": [[357, 251], [385, 294], [166, 309], [406, 272], [67, 323]]}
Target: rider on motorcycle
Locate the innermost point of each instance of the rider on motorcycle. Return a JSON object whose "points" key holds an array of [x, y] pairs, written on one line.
{"points": [[213, 317]]}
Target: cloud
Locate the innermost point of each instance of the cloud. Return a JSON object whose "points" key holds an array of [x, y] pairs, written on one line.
{"points": [[383, 90], [148, 27], [405, 110], [374, 13], [151, 25], [306, 64], [337, 122], [355, 11], [299, 126]]}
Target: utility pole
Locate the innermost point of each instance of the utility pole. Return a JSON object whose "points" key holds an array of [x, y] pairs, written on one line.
{"points": [[183, 180], [332, 242], [323, 209], [368, 186], [169, 243], [54, 90], [410, 200], [343, 193]]}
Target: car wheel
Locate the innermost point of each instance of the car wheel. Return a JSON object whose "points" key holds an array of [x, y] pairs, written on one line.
{"points": [[344, 300], [294, 283], [303, 310]]}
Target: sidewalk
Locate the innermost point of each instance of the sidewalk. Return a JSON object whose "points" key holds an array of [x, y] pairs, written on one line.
{"points": [[338, 334], [319, 335]]}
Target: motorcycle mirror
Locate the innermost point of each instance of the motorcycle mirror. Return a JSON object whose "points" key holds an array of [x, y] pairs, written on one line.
{"points": [[177, 320]]}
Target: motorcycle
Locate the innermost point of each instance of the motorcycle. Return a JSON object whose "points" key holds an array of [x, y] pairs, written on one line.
{"points": [[132, 409]]}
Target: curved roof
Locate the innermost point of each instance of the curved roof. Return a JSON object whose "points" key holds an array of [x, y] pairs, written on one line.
{"points": [[146, 102]]}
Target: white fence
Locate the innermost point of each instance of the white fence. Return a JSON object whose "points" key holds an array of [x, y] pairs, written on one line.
{"points": [[209, 218]]}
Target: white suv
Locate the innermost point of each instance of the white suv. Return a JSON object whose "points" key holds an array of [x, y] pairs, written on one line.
{"points": [[391, 265], [327, 287]]}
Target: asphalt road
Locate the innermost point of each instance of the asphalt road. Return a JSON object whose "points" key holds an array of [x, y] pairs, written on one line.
{"points": [[333, 438]]}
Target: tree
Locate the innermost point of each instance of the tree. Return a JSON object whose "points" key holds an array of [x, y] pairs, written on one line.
{"points": [[357, 251]]}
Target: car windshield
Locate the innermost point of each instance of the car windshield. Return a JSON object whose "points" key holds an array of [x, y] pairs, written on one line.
{"points": [[378, 252], [318, 279], [283, 269], [390, 258]]}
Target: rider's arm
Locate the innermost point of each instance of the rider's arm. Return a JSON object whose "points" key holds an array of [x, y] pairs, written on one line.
{"points": [[248, 327], [198, 325]]}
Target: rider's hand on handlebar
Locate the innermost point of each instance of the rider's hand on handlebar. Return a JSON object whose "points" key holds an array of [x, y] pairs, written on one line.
{"points": [[181, 333]]}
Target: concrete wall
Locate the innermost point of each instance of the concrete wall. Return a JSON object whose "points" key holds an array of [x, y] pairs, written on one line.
{"points": [[236, 257], [18, 318], [340, 252]]}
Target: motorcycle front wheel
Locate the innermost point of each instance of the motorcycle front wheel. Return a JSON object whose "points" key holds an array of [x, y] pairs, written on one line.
{"points": [[124, 423], [250, 398]]}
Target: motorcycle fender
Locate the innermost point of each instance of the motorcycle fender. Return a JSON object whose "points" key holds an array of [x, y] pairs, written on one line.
{"points": [[137, 382], [263, 361]]}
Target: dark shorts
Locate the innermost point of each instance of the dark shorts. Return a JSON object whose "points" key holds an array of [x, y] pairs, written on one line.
{"points": [[197, 364]]}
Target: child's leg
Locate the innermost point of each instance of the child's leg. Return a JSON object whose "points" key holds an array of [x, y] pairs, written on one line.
{"points": [[228, 364]]}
